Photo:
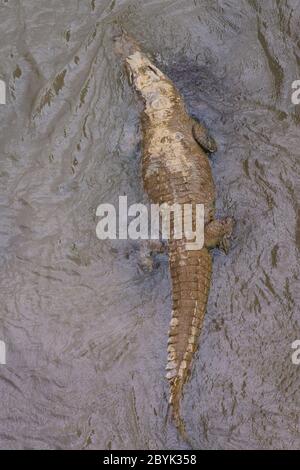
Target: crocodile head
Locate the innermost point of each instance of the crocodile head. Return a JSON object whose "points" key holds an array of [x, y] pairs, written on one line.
{"points": [[155, 88], [125, 45], [141, 72]]}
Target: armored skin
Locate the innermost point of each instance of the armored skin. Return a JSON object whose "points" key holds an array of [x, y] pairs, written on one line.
{"points": [[176, 169]]}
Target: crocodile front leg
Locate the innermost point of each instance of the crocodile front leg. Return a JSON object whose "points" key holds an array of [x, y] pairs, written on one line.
{"points": [[202, 136]]}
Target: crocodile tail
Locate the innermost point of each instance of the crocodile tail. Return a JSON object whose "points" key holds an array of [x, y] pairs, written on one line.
{"points": [[191, 273]]}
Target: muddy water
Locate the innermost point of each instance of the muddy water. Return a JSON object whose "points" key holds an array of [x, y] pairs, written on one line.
{"points": [[85, 328]]}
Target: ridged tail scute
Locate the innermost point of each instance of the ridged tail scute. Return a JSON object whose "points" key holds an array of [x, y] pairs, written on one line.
{"points": [[191, 274]]}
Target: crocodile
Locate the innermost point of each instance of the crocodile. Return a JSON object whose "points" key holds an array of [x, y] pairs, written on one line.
{"points": [[176, 169]]}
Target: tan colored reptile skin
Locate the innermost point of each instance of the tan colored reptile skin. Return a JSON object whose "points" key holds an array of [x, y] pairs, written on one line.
{"points": [[176, 169]]}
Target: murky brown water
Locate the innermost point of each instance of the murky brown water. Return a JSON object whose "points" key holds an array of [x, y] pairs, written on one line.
{"points": [[85, 328]]}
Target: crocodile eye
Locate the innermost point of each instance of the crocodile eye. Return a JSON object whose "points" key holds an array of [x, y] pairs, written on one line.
{"points": [[178, 136]]}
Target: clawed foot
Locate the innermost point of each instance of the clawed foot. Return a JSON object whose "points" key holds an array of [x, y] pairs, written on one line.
{"points": [[146, 263], [218, 233], [148, 250], [227, 224]]}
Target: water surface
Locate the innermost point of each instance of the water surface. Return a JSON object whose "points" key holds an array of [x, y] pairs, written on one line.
{"points": [[85, 328]]}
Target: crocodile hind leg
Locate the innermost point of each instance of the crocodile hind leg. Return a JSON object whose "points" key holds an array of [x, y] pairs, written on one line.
{"points": [[148, 250], [217, 233], [201, 135]]}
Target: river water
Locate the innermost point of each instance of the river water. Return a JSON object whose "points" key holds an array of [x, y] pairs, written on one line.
{"points": [[85, 328]]}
